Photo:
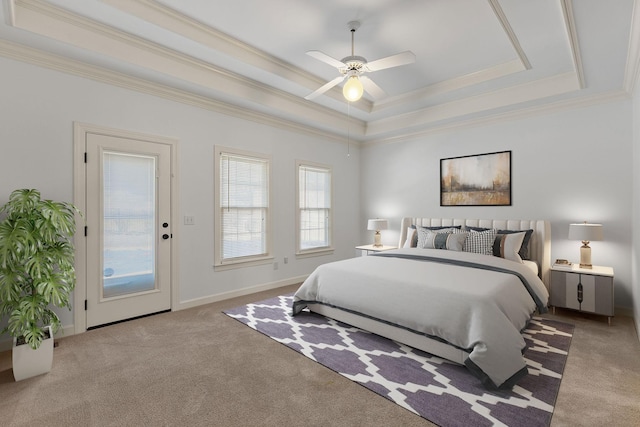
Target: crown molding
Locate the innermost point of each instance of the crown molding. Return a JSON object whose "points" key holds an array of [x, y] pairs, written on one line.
{"points": [[51, 21], [574, 45], [500, 70], [632, 68], [65, 65], [54, 22], [516, 114], [288, 111], [513, 95], [10, 12], [178, 23], [39, 58], [170, 19], [451, 85], [497, 10], [165, 17]]}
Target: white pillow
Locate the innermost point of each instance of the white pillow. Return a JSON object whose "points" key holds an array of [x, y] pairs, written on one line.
{"points": [[411, 232], [508, 245]]}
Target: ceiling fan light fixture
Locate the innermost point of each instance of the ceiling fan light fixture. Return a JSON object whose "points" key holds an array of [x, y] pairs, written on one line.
{"points": [[352, 67], [353, 89]]}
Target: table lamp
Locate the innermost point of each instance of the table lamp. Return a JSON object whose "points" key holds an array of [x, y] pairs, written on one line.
{"points": [[377, 225], [586, 233]]}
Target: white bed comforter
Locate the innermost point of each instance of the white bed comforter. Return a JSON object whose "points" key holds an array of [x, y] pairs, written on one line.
{"points": [[481, 311]]}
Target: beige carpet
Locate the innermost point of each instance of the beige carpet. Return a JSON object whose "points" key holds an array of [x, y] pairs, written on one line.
{"points": [[199, 367]]}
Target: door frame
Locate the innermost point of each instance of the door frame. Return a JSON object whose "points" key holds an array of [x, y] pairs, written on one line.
{"points": [[80, 131]]}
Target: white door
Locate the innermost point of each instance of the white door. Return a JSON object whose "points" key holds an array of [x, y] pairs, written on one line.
{"points": [[128, 206]]}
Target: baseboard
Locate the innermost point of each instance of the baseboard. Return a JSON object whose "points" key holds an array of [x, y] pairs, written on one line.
{"points": [[239, 293], [624, 311], [7, 342], [68, 330]]}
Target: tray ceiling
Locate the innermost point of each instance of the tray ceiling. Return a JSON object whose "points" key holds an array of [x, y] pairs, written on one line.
{"points": [[475, 59]]}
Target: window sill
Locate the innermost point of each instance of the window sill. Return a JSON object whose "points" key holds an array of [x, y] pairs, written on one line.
{"points": [[231, 265], [314, 253]]}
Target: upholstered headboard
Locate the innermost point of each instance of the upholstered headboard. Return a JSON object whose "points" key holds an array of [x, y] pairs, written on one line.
{"points": [[539, 246]]}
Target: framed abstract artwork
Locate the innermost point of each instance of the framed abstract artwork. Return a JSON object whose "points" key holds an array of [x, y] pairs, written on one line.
{"points": [[477, 180]]}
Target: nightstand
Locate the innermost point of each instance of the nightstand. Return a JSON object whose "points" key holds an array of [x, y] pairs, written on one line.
{"points": [[366, 249], [584, 289]]}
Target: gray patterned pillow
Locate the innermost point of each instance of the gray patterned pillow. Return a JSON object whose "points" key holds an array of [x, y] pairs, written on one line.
{"points": [[480, 242], [446, 240], [439, 228], [424, 233]]}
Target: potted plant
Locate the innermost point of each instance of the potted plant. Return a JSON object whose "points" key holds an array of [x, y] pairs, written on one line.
{"points": [[36, 273]]}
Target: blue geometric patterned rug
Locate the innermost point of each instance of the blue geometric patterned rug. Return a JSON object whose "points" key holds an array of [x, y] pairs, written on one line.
{"points": [[440, 391]]}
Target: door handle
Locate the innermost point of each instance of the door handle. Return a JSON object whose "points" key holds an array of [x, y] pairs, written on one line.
{"points": [[165, 236]]}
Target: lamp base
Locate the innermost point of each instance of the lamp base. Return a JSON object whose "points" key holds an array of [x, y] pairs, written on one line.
{"points": [[377, 242], [585, 255]]}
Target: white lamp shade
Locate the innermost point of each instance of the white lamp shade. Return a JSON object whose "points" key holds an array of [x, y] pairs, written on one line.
{"points": [[585, 232], [377, 224]]}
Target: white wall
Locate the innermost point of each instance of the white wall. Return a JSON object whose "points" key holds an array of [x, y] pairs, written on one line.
{"points": [[38, 108], [566, 166], [635, 249]]}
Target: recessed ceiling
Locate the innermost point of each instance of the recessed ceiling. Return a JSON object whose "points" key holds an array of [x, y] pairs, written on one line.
{"points": [[474, 59]]}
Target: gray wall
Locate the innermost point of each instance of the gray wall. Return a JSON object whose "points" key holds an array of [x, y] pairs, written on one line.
{"points": [[38, 108], [567, 166], [635, 249]]}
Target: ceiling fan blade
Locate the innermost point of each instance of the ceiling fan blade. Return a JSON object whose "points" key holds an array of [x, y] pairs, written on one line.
{"points": [[402, 58], [372, 88], [325, 87], [321, 56]]}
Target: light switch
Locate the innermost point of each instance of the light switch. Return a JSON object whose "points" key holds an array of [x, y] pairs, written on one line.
{"points": [[189, 220]]}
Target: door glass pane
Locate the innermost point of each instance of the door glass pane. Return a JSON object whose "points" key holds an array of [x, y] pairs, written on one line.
{"points": [[129, 220]]}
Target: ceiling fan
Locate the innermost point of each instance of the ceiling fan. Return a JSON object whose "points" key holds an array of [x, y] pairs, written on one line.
{"points": [[353, 67]]}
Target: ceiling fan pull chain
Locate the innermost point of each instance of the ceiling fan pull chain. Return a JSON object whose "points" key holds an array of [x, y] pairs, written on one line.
{"points": [[349, 129]]}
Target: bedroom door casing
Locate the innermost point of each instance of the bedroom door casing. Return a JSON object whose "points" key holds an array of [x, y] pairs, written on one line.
{"points": [[128, 234]]}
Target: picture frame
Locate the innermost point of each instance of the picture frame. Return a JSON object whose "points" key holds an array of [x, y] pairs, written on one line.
{"points": [[476, 180]]}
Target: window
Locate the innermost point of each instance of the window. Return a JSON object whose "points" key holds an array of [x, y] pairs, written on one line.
{"points": [[242, 207], [313, 208]]}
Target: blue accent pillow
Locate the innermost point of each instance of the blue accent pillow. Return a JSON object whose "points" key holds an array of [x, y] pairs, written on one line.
{"points": [[476, 228]]}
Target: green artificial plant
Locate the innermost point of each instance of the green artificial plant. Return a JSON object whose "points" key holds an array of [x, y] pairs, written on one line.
{"points": [[36, 263]]}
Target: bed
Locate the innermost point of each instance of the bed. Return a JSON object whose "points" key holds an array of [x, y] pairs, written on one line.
{"points": [[466, 307]]}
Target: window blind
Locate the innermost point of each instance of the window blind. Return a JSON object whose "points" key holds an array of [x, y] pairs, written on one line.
{"points": [[314, 207], [244, 205]]}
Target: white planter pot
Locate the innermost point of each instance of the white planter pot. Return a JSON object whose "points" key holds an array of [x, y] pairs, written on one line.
{"points": [[28, 362]]}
